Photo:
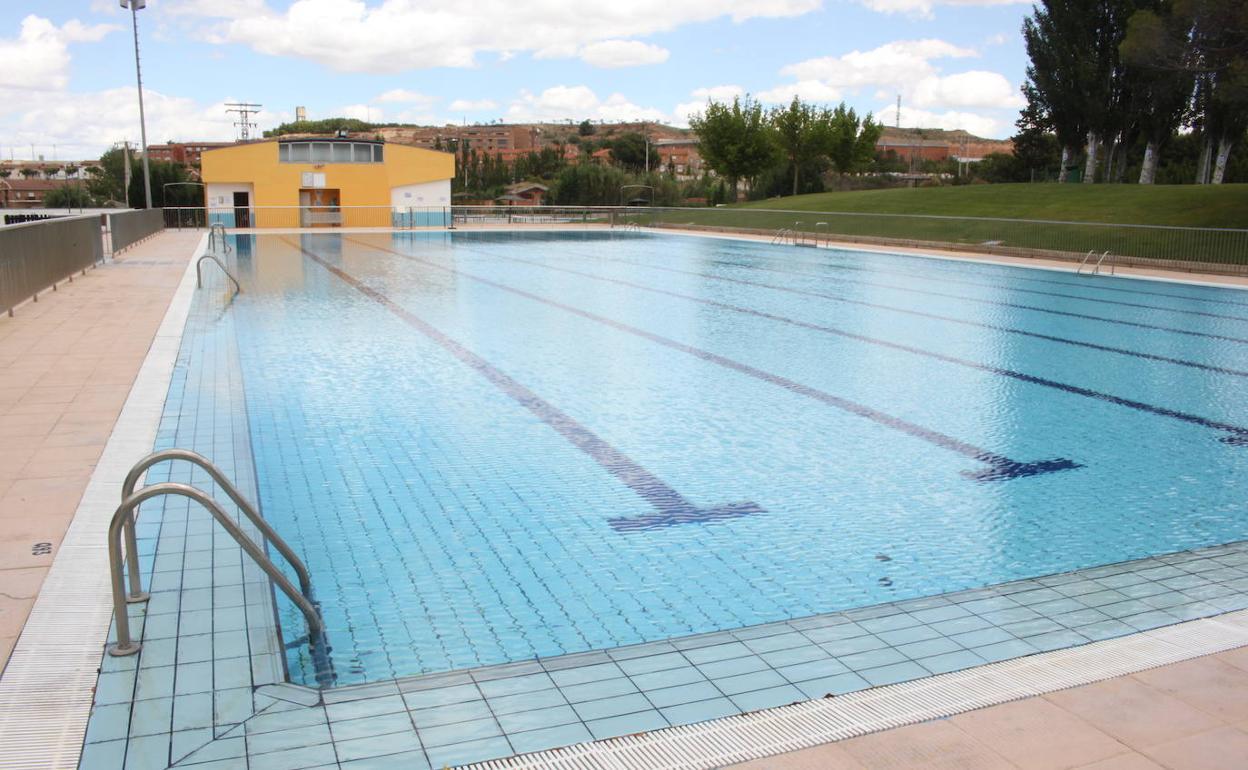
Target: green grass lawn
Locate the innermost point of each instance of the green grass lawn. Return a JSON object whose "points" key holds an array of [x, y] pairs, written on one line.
{"points": [[1186, 205], [875, 213]]}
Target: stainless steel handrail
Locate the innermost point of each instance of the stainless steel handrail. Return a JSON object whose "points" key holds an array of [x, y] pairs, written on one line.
{"points": [[199, 273], [828, 234], [1113, 263], [778, 235], [213, 230], [123, 523], [1083, 262], [195, 458]]}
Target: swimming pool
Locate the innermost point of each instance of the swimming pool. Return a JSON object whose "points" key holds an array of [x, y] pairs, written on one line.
{"points": [[494, 446]]}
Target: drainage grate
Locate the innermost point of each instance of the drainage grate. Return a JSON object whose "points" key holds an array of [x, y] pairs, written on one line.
{"points": [[802, 725]]}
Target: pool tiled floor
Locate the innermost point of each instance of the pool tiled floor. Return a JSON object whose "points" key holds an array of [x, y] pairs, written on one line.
{"points": [[206, 691]]}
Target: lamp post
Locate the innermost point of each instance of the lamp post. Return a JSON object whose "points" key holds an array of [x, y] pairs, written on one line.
{"points": [[135, 6]]}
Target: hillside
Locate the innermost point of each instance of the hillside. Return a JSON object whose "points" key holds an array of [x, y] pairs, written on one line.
{"points": [[1183, 205]]}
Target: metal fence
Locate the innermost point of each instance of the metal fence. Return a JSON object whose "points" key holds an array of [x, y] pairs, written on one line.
{"points": [[1186, 248], [127, 228], [38, 255]]}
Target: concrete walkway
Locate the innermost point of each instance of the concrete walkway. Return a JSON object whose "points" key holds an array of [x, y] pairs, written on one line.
{"points": [[1186, 716], [66, 366]]}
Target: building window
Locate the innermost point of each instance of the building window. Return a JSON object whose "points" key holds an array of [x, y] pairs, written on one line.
{"points": [[329, 152]]}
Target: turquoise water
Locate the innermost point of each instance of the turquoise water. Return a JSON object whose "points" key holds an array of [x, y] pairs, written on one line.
{"points": [[495, 446]]}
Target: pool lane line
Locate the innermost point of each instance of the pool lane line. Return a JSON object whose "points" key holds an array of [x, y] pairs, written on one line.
{"points": [[670, 507], [997, 286], [998, 303], [937, 263], [1237, 435], [999, 467], [937, 317]]}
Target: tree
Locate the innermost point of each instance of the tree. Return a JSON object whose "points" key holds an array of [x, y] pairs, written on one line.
{"points": [[586, 128], [107, 180], [853, 139], [1208, 41], [804, 134], [735, 140], [1057, 40], [629, 150], [68, 196], [28, 172]]}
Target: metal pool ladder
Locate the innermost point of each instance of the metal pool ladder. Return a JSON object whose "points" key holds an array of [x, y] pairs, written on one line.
{"points": [[1096, 266], [123, 523], [216, 231], [199, 273]]}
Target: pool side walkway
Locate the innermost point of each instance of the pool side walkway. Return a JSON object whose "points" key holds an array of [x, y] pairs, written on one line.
{"points": [[1185, 716], [67, 363]]}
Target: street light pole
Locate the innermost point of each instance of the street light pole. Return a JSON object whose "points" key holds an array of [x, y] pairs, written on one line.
{"points": [[135, 6]]}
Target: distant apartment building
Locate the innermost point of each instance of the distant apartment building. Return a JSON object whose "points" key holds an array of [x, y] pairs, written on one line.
{"points": [[184, 153], [681, 156], [506, 140]]}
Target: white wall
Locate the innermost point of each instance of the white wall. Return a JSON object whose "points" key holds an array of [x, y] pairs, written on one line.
{"points": [[221, 194], [424, 194]]}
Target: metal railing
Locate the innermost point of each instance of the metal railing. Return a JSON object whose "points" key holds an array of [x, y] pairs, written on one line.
{"points": [[1186, 248], [123, 523], [1096, 266], [36, 256], [129, 227], [199, 273]]}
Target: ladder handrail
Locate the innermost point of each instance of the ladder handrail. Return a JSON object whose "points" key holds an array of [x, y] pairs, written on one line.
{"points": [[1113, 261], [270, 536], [213, 229], [1083, 262], [199, 273], [125, 644]]}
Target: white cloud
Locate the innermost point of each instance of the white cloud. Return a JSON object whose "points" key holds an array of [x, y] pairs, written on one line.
{"points": [[577, 103], [924, 8], [363, 112], [472, 105], [39, 57], [84, 124], [895, 64], [703, 96], [398, 35], [979, 125], [806, 90], [402, 95], [612, 54], [909, 68], [976, 88]]}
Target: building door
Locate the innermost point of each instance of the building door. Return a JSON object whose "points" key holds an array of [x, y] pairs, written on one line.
{"points": [[320, 208], [242, 209]]}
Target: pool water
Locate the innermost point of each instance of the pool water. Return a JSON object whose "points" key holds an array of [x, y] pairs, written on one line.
{"points": [[492, 446]]}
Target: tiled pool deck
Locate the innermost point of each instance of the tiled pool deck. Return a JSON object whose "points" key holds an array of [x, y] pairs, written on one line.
{"points": [[208, 691], [204, 691]]}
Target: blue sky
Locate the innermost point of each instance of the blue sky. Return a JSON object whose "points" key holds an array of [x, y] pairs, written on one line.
{"points": [[956, 63]]}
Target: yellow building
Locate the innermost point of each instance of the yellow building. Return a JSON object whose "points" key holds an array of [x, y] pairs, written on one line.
{"points": [[324, 182]]}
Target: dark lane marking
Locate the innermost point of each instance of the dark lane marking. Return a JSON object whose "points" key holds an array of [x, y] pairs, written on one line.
{"points": [[1238, 435], [977, 300], [937, 317], [1038, 292], [999, 467], [670, 507], [950, 265]]}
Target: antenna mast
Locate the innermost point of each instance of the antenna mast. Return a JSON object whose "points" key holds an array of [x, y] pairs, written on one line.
{"points": [[245, 110]]}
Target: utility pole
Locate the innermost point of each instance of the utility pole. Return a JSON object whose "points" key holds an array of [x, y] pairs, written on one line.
{"points": [[245, 110], [135, 6], [898, 123]]}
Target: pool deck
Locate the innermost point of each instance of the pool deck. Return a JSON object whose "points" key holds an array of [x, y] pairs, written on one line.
{"points": [[68, 365], [1186, 715]]}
